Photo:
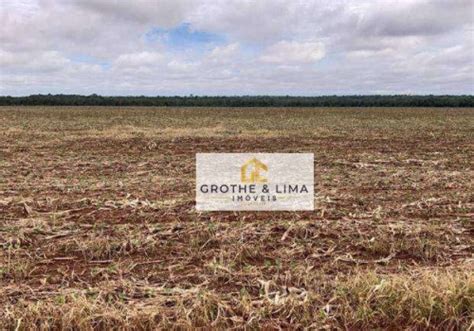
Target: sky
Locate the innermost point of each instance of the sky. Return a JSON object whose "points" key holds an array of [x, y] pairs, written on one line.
{"points": [[230, 47]]}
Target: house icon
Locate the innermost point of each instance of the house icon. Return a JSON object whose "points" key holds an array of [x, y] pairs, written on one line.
{"points": [[250, 171]]}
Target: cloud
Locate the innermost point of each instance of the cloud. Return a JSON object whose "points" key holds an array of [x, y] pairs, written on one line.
{"points": [[236, 46], [225, 54], [293, 52], [415, 18], [165, 13], [140, 59], [42, 61], [249, 21]]}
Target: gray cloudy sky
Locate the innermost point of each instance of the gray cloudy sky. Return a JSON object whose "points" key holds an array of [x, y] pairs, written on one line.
{"points": [[214, 47]]}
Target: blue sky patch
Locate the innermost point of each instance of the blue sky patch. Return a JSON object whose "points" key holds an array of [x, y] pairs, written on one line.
{"points": [[84, 58], [183, 36]]}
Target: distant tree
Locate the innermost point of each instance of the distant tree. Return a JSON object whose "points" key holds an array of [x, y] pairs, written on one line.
{"points": [[244, 101]]}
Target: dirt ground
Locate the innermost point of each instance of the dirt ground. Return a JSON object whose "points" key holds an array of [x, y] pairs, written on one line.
{"points": [[98, 228]]}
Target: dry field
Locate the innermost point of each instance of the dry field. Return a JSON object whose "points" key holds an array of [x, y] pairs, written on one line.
{"points": [[98, 228]]}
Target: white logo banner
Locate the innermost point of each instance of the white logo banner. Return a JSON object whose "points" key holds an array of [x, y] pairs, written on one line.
{"points": [[254, 181]]}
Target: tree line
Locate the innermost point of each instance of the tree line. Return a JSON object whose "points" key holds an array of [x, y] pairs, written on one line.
{"points": [[242, 101]]}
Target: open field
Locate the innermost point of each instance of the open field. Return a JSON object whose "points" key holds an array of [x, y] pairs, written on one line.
{"points": [[98, 227]]}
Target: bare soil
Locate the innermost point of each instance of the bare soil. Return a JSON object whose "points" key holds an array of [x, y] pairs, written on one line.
{"points": [[98, 228]]}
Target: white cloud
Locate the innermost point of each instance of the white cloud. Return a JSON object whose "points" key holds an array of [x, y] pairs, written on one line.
{"points": [[41, 61], [225, 53], [293, 52], [255, 21], [165, 13], [180, 66], [411, 18], [140, 59], [265, 46]]}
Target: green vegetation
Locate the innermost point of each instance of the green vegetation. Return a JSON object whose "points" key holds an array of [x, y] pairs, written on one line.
{"points": [[244, 101]]}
